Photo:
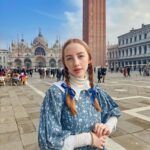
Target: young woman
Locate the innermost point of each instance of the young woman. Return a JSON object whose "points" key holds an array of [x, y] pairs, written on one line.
{"points": [[76, 114]]}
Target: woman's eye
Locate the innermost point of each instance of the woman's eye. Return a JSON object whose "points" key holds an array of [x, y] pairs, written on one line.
{"points": [[68, 59], [80, 56]]}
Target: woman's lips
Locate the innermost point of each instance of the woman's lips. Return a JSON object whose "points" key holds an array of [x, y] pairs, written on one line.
{"points": [[77, 70]]}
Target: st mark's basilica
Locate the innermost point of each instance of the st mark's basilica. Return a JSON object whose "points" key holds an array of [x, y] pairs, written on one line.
{"points": [[36, 55]]}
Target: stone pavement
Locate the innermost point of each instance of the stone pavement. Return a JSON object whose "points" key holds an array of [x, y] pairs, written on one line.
{"points": [[20, 106]]}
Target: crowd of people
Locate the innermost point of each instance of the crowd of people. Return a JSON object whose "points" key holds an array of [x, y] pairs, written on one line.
{"points": [[15, 76], [51, 73]]}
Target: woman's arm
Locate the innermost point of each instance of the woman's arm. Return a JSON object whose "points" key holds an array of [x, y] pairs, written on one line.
{"points": [[112, 123], [107, 128], [79, 140], [83, 139], [51, 135]]}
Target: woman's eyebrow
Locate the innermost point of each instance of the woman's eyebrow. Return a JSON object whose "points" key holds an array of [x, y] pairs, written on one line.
{"points": [[76, 54]]}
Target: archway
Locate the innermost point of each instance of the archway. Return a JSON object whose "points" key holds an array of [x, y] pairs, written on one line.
{"points": [[40, 62], [60, 63], [18, 63], [40, 51], [52, 63], [27, 63]]}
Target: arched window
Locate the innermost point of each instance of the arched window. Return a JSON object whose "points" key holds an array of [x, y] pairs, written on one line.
{"points": [[40, 51]]}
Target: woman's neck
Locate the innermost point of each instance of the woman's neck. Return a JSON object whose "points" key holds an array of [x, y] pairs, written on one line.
{"points": [[81, 83]]}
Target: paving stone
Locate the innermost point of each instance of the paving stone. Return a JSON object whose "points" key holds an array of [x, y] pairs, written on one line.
{"points": [[111, 145], [128, 127], [9, 137], [20, 112], [146, 112], [7, 120], [5, 108], [32, 109], [30, 138], [10, 127], [12, 146], [32, 147], [5, 102], [125, 116], [117, 133], [130, 142], [31, 105], [139, 122], [6, 114], [36, 123], [34, 115], [27, 127], [145, 134], [23, 120]]}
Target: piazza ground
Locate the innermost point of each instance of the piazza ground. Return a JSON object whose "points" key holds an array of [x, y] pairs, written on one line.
{"points": [[20, 107]]}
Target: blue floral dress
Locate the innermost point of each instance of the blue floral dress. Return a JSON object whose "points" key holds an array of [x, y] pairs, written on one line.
{"points": [[57, 123]]}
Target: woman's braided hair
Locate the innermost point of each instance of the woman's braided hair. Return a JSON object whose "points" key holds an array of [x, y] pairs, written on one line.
{"points": [[71, 103]]}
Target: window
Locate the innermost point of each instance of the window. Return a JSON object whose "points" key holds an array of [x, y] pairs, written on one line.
{"points": [[145, 35], [140, 37], [131, 51], [135, 51], [119, 54], [126, 41], [135, 39], [119, 42], [126, 52], [123, 53], [4, 59], [40, 51], [110, 54], [140, 50], [145, 49], [130, 40]]}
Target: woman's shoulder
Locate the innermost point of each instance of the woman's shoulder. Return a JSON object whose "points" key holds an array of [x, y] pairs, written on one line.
{"points": [[54, 95], [56, 87]]}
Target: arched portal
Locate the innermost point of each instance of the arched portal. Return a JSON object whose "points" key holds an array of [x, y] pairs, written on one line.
{"points": [[40, 62], [18, 63], [27, 63], [59, 63], [52, 63]]}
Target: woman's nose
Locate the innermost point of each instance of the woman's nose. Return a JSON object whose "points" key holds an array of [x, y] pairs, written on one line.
{"points": [[76, 62]]}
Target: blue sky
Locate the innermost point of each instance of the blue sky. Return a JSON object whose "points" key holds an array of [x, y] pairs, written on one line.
{"points": [[64, 18]]}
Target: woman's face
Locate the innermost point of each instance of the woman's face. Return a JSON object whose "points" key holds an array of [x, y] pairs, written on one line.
{"points": [[76, 59]]}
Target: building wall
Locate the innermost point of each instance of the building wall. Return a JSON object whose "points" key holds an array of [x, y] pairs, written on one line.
{"points": [[133, 49], [94, 29], [4, 58]]}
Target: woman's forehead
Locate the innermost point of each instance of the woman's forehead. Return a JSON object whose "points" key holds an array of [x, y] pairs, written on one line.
{"points": [[75, 47]]}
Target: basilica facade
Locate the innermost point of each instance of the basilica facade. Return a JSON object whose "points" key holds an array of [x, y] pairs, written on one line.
{"points": [[37, 55]]}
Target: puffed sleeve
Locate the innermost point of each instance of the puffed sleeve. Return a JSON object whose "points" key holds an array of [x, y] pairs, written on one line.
{"points": [[50, 135], [109, 106]]}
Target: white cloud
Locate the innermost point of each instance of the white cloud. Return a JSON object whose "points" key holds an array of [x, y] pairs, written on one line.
{"points": [[77, 3], [72, 27], [124, 15]]}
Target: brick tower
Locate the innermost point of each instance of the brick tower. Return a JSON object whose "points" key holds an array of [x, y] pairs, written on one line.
{"points": [[94, 29]]}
